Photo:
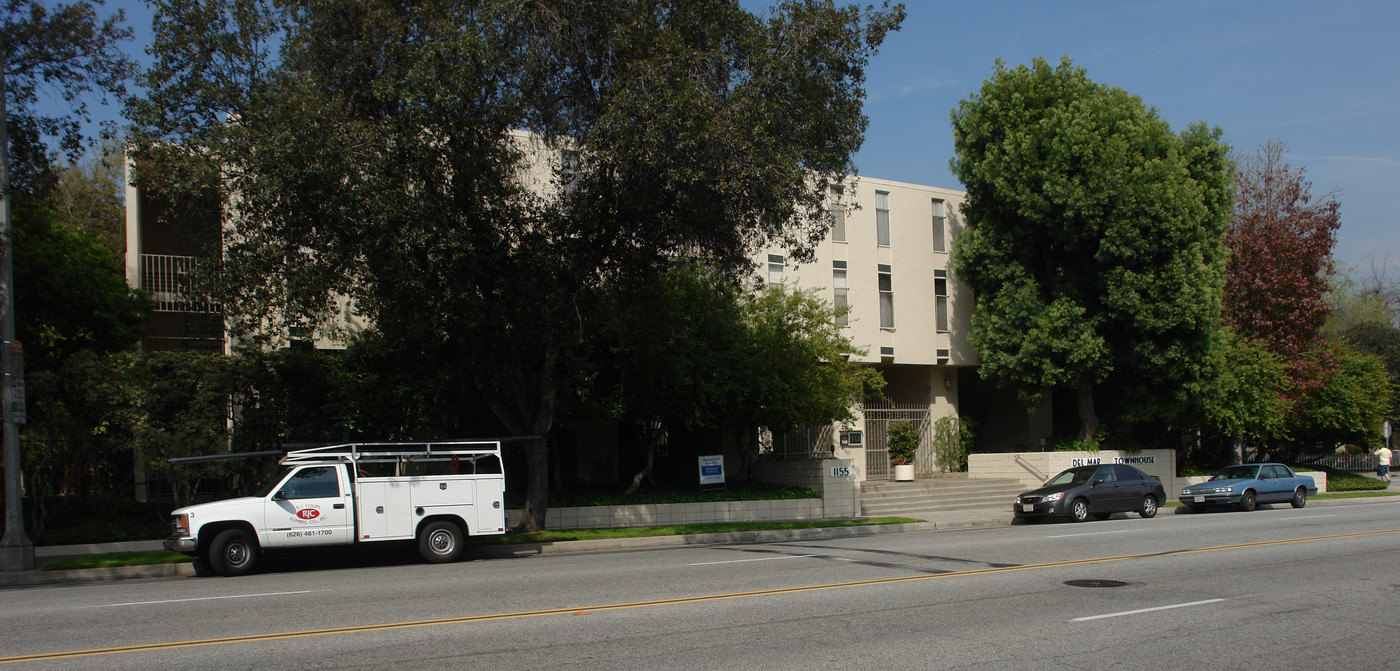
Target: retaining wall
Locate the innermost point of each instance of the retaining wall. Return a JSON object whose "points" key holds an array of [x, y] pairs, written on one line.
{"points": [[839, 498]]}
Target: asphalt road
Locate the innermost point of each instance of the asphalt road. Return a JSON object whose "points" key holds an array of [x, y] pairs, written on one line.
{"points": [[1278, 588]]}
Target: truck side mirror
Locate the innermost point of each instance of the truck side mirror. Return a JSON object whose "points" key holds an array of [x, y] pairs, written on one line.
{"points": [[281, 495]]}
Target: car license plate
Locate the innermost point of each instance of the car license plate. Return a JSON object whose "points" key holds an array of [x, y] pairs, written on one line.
{"points": [[1200, 499], [1026, 508]]}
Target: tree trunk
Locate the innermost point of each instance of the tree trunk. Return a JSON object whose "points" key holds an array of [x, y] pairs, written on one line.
{"points": [[1088, 419], [653, 436], [536, 485], [531, 416], [1237, 448]]}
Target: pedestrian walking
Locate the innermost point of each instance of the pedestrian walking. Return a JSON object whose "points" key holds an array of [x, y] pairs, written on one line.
{"points": [[1383, 463]]}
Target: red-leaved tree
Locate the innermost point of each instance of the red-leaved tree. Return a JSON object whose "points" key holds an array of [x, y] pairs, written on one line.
{"points": [[1281, 244]]}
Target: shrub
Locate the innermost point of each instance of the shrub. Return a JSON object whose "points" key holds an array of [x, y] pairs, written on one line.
{"points": [[903, 442], [953, 438]]}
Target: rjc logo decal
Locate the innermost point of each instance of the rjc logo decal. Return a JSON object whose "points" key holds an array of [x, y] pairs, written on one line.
{"points": [[308, 513]]}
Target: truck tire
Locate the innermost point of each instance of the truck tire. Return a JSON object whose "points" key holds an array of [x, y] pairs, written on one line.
{"points": [[440, 542], [233, 552]]}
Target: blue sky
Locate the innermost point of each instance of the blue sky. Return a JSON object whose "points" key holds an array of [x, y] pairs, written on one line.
{"points": [[1322, 77]]}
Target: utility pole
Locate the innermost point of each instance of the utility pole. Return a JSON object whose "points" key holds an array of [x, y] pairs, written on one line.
{"points": [[16, 551]]}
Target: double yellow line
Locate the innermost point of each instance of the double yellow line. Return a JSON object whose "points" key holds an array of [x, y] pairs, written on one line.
{"points": [[253, 638]]}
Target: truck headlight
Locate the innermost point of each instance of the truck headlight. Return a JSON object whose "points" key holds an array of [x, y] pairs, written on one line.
{"points": [[180, 524]]}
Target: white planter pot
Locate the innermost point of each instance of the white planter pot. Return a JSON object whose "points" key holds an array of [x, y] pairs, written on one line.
{"points": [[904, 472]]}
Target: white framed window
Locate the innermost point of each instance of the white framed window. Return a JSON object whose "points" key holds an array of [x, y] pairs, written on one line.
{"points": [[940, 241], [775, 270], [840, 300], [882, 218], [838, 215], [940, 300], [886, 284]]}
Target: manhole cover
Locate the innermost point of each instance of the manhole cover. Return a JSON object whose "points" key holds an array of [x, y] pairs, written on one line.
{"points": [[1095, 583]]}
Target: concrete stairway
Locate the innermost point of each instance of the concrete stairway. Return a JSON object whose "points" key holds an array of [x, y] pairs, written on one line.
{"points": [[947, 494]]}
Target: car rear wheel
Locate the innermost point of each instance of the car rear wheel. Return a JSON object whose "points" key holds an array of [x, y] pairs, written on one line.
{"points": [[1248, 502], [1300, 498], [1148, 508], [1079, 510], [440, 542]]}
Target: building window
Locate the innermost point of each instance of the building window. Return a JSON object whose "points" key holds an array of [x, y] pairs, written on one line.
{"points": [[940, 299], [775, 270], [882, 218], [840, 299], [886, 297], [838, 216], [570, 170], [940, 243]]}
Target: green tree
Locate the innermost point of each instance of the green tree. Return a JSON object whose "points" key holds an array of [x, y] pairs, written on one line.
{"points": [[1383, 341], [70, 292], [372, 157], [1093, 243], [694, 349], [68, 48], [1350, 405], [1247, 400], [89, 197]]}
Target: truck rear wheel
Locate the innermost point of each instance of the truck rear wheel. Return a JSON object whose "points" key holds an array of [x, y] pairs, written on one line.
{"points": [[440, 542], [233, 552]]}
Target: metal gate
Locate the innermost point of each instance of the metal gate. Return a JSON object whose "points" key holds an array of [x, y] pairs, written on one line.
{"points": [[878, 417]]}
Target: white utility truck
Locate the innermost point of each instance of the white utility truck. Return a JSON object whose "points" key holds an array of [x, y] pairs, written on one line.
{"points": [[436, 493]]}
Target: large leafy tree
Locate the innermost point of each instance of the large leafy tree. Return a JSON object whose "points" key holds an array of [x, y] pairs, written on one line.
{"points": [[371, 156], [1281, 241], [66, 48], [1382, 340], [1093, 241], [695, 349], [1348, 407]]}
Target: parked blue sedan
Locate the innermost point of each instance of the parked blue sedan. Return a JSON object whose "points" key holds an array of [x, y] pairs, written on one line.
{"points": [[1248, 485]]}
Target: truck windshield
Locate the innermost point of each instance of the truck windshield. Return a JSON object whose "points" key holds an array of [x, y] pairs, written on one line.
{"points": [[272, 484]]}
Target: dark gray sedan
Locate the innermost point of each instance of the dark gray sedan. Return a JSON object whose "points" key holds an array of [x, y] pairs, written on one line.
{"points": [[1097, 491], [1248, 485]]}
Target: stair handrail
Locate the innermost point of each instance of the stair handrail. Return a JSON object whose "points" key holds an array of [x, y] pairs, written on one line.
{"points": [[1039, 477]]}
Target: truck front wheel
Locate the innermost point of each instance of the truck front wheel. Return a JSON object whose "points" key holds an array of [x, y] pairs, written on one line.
{"points": [[440, 542], [233, 552]]}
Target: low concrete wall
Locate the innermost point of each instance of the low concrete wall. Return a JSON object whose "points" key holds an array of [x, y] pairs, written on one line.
{"points": [[832, 479], [1034, 468]]}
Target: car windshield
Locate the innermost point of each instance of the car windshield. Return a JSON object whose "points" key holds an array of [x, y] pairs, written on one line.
{"points": [[1244, 472], [1073, 475]]}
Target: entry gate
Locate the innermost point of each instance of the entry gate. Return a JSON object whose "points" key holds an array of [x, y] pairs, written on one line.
{"points": [[878, 417]]}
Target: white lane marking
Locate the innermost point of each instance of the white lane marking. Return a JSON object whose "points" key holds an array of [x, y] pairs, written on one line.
{"points": [[1097, 533], [203, 598], [740, 561], [1145, 610], [1306, 517]]}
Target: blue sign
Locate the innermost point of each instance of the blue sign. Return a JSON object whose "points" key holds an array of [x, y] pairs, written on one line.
{"points": [[712, 470]]}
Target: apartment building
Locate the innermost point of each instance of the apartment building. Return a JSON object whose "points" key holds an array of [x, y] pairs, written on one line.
{"points": [[888, 258]]}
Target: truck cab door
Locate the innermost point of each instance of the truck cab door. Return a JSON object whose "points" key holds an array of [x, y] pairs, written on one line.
{"points": [[311, 507]]}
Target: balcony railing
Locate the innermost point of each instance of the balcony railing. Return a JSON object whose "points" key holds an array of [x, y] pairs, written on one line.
{"points": [[171, 282]]}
